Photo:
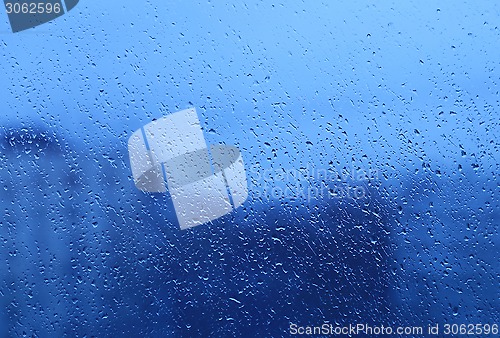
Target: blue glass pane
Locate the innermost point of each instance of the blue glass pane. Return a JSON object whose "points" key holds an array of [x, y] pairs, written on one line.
{"points": [[251, 169]]}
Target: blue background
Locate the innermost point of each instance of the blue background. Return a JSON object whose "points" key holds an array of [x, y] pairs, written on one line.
{"points": [[397, 99]]}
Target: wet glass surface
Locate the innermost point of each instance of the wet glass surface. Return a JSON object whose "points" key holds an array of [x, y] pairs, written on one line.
{"points": [[369, 135]]}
